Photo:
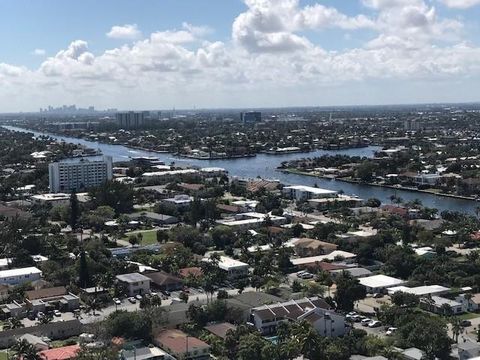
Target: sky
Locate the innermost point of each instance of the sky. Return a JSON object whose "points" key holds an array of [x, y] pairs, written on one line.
{"points": [[164, 54]]}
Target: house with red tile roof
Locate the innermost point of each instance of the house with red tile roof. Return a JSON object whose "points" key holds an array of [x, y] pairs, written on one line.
{"points": [[61, 353], [182, 346]]}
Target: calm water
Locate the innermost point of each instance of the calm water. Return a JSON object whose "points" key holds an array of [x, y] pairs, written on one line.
{"points": [[265, 166]]}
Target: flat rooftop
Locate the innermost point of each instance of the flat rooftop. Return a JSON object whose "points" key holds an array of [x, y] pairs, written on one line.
{"points": [[420, 290], [320, 258], [311, 189], [380, 281], [19, 272]]}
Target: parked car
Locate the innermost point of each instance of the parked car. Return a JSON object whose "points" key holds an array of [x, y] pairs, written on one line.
{"points": [[166, 293], [132, 300], [57, 313], [391, 331], [365, 321], [117, 301], [138, 297], [374, 324], [40, 315], [377, 295], [466, 323]]}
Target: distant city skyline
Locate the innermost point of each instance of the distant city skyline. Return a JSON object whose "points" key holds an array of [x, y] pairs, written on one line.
{"points": [[248, 54]]}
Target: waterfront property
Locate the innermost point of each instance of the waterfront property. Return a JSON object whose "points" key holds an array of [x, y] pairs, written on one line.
{"points": [[81, 175]]}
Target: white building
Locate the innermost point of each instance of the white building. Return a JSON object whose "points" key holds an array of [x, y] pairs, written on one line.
{"points": [[79, 175], [420, 290], [251, 220], [54, 199], [313, 310], [20, 276], [179, 201], [137, 284], [379, 283], [333, 256], [232, 267], [300, 192]]}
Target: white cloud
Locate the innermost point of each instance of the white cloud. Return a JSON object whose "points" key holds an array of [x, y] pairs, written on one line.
{"points": [[39, 52], [125, 32], [270, 60], [461, 4]]}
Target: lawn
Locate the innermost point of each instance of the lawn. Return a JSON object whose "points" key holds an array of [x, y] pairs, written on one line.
{"points": [[149, 237], [468, 316], [3, 355]]}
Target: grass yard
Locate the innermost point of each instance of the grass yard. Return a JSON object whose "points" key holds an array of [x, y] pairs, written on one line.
{"points": [[3, 355], [468, 316], [149, 237]]}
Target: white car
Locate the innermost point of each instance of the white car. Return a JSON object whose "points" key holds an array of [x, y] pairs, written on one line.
{"points": [[117, 301], [57, 313], [138, 297], [391, 331], [132, 300], [374, 324], [365, 321]]}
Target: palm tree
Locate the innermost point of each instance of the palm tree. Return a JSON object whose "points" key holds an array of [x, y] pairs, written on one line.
{"points": [[23, 350], [13, 323], [457, 328]]}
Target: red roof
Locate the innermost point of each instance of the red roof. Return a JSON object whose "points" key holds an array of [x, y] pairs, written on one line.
{"points": [[62, 353], [194, 271]]}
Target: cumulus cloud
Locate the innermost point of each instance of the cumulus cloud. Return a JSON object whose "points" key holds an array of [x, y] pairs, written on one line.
{"points": [[269, 53], [125, 32], [461, 4]]}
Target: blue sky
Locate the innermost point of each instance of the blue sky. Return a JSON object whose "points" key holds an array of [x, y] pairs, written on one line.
{"points": [[224, 53]]}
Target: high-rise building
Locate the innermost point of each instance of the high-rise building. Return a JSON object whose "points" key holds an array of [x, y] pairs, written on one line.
{"points": [[251, 117], [132, 119], [80, 175]]}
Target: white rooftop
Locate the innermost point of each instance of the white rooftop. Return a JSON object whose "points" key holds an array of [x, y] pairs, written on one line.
{"points": [[227, 263], [311, 189], [319, 258], [419, 290], [19, 272], [380, 281]]}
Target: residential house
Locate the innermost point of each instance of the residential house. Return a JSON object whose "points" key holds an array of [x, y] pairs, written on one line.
{"points": [[234, 268], [163, 281], [468, 350], [144, 353], [380, 283], [61, 353], [20, 276], [313, 310], [305, 247], [181, 345], [136, 284], [221, 329], [441, 305]]}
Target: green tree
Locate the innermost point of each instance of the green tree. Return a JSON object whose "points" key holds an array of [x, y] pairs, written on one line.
{"points": [[83, 273], [23, 350], [348, 291], [74, 210]]}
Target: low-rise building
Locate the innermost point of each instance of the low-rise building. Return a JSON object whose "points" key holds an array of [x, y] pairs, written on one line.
{"points": [[144, 353], [136, 284], [380, 283], [313, 310], [182, 346], [61, 353], [301, 192], [441, 305], [250, 220], [179, 201], [468, 350], [311, 247], [20, 276], [312, 261], [426, 290], [234, 268], [163, 281]]}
